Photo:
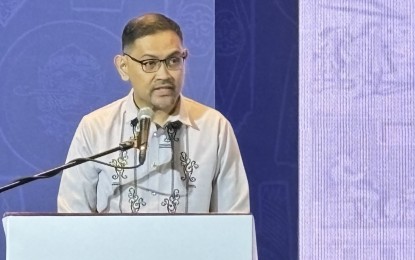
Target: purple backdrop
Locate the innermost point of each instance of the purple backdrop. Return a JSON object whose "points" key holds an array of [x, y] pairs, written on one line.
{"points": [[357, 129]]}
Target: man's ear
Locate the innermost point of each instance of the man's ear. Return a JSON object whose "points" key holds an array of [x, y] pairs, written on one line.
{"points": [[121, 65]]}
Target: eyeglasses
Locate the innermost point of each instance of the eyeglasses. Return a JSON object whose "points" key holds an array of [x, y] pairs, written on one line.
{"points": [[152, 65]]}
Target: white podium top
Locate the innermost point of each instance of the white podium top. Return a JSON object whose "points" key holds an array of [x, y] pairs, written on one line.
{"points": [[143, 236]]}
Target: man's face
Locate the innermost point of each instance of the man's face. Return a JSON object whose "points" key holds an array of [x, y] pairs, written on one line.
{"points": [[158, 90]]}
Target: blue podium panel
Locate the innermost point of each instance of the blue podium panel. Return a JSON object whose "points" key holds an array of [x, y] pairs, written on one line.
{"points": [[109, 237]]}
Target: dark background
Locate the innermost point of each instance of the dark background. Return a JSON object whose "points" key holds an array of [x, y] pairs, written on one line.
{"points": [[257, 89]]}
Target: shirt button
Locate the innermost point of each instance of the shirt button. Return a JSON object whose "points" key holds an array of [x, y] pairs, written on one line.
{"points": [[153, 193], [154, 165], [155, 134]]}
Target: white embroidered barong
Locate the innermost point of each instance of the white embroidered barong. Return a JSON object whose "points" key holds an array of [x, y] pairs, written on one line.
{"points": [[193, 164]]}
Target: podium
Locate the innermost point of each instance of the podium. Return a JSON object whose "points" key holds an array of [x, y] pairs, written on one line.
{"points": [[140, 236]]}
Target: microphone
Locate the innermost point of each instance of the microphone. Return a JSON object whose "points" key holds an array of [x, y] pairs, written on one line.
{"points": [[144, 119]]}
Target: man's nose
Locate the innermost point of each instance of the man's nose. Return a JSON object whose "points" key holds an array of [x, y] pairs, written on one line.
{"points": [[163, 72]]}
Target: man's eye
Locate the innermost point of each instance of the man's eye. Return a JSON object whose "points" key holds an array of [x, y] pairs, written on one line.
{"points": [[150, 63], [174, 60]]}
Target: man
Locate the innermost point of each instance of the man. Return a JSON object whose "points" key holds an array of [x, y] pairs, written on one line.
{"points": [[193, 163]]}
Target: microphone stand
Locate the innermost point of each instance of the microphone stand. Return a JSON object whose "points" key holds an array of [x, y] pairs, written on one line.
{"points": [[52, 172]]}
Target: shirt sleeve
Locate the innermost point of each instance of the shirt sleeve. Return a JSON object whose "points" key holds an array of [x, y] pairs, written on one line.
{"points": [[230, 193], [78, 187]]}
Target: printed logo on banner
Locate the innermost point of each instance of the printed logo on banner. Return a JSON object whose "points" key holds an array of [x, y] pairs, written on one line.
{"points": [[8, 9], [232, 36], [362, 49], [197, 22], [352, 189], [52, 76], [232, 43], [360, 189], [361, 115], [198, 25]]}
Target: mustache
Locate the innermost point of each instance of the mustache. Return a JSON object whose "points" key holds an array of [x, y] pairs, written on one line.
{"points": [[164, 83]]}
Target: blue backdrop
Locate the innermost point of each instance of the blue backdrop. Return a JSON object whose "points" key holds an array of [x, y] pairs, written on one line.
{"points": [[257, 89], [56, 65]]}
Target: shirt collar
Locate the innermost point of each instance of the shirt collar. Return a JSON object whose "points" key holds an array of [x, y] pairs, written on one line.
{"points": [[182, 111], [183, 114]]}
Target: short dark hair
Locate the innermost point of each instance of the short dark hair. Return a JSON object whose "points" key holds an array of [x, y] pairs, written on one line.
{"points": [[148, 24]]}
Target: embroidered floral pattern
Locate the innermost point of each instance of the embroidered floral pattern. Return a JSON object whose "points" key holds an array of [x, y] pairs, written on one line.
{"points": [[188, 167], [172, 129], [135, 201], [120, 162], [172, 202]]}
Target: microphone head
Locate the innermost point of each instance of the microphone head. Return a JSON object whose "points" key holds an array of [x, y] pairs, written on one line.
{"points": [[145, 112]]}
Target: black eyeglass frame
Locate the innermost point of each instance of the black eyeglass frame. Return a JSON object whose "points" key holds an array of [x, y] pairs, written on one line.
{"points": [[183, 55]]}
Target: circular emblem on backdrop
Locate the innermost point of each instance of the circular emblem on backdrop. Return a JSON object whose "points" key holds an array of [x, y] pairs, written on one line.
{"points": [[51, 77], [8, 9], [198, 22], [231, 35]]}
